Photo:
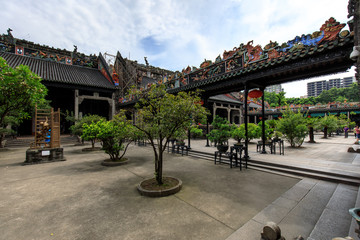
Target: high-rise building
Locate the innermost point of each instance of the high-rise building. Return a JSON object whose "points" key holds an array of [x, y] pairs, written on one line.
{"points": [[274, 88], [347, 81], [314, 89]]}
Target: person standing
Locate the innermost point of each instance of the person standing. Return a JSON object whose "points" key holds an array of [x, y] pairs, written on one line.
{"points": [[346, 131], [357, 132]]}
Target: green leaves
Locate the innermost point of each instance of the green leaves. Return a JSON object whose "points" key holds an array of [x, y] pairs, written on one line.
{"points": [[293, 126], [20, 90], [161, 115], [77, 128], [221, 132], [115, 135]]}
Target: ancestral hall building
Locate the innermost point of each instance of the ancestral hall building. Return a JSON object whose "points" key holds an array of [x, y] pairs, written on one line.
{"points": [[76, 82], [82, 84]]}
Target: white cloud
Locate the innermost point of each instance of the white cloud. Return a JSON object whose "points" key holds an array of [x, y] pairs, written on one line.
{"points": [[186, 31]]}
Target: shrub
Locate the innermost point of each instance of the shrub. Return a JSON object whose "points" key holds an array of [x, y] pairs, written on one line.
{"points": [[77, 128], [196, 131], [221, 132], [115, 135], [293, 126], [238, 134]]}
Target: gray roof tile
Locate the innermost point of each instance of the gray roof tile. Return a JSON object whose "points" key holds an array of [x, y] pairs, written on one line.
{"points": [[60, 73]]}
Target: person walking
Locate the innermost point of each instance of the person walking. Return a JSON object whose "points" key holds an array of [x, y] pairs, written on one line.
{"points": [[357, 132], [346, 131]]}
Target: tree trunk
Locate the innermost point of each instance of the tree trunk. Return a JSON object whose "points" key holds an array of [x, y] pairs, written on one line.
{"points": [[325, 132], [311, 135], [159, 165], [1, 141]]}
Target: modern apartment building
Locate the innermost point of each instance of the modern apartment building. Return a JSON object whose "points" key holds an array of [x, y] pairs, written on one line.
{"points": [[314, 89], [274, 88]]}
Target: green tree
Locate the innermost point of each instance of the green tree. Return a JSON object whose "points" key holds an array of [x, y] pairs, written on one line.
{"points": [[77, 128], [268, 130], [350, 94], [311, 124], [280, 98], [195, 131], [293, 126], [254, 131], [115, 135], [221, 132], [270, 97], [20, 91], [328, 124], [161, 114], [238, 134]]}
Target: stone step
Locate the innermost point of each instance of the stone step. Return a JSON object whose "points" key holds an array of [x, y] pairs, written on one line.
{"points": [[304, 216], [353, 224], [26, 141], [317, 173], [321, 175], [315, 170], [335, 219], [296, 211]]}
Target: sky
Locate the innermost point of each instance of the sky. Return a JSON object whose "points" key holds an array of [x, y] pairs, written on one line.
{"points": [[172, 34]]}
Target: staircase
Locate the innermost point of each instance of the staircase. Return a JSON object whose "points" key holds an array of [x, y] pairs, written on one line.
{"points": [[317, 208], [314, 209], [317, 173], [25, 141]]}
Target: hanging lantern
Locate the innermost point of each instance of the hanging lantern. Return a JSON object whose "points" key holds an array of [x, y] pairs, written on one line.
{"points": [[255, 93]]}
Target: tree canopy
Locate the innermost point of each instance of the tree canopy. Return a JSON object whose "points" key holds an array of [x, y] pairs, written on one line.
{"points": [[293, 126], [350, 94], [20, 91], [161, 114]]}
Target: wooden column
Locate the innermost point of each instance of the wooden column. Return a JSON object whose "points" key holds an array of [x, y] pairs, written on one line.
{"points": [[263, 122], [76, 105], [246, 155]]}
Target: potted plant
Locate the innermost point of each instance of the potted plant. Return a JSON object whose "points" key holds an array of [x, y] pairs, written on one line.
{"points": [[220, 134], [276, 136], [195, 131], [238, 134]]}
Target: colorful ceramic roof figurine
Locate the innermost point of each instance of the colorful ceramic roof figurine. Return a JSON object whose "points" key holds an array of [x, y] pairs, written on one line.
{"points": [[249, 57]]}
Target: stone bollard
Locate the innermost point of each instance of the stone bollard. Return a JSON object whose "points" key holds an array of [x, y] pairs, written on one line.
{"points": [[271, 231]]}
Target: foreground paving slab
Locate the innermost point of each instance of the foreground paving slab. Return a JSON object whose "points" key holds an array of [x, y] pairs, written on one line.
{"points": [[81, 199]]}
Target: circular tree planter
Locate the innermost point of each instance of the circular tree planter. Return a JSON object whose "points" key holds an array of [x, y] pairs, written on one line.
{"points": [[109, 163], [150, 188]]}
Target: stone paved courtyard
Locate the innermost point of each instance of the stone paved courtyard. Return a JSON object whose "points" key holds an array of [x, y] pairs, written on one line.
{"points": [[80, 199]]}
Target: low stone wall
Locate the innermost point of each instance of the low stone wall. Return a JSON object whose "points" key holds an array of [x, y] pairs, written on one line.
{"points": [[44, 155]]}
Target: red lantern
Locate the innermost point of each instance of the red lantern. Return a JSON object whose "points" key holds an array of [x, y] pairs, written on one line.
{"points": [[255, 93]]}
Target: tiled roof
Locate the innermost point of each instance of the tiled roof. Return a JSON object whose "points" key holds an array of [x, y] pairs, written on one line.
{"points": [[225, 98], [248, 59], [60, 73]]}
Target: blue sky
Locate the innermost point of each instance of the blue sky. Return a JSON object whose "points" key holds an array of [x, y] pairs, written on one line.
{"points": [[172, 34]]}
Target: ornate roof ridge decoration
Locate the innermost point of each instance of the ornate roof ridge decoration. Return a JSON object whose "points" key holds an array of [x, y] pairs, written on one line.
{"points": [[149, 67], [248, 57], [27, 48]]}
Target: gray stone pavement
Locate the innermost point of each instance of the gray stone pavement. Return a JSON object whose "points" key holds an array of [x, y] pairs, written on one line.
{"points": [[80, 199]]}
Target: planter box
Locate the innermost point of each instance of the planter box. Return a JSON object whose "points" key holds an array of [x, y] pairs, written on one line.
{"points": [[44, 155]]}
